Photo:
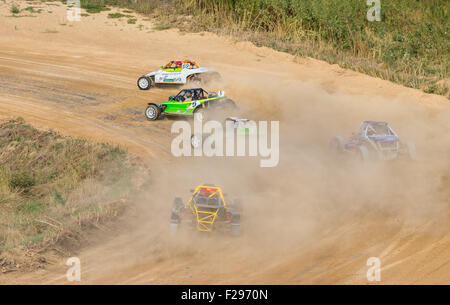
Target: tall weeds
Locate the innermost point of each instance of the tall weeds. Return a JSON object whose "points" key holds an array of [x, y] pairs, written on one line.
{"points": [[49, 183]]}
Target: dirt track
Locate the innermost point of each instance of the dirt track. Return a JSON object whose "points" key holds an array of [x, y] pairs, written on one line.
{"points": [[312, 220]]}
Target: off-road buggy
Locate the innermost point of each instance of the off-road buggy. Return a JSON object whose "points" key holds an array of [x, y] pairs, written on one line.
{"points": [[242, 126], [374, 140], [189, 102], [207, 210], [178, 72]]}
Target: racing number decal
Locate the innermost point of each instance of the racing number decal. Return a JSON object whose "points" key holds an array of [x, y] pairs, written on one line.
{"points": [[194, 104]]}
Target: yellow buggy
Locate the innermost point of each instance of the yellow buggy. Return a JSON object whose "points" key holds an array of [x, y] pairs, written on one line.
{"points": [[207, 211]]}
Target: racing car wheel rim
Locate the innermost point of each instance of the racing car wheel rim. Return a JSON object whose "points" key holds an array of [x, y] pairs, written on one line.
{"points": [[143, 83], [195, 141], [150, 112]]}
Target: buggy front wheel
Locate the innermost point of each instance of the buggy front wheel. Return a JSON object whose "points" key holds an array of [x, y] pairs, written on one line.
{"points": [[152, 112], [144, 83]]}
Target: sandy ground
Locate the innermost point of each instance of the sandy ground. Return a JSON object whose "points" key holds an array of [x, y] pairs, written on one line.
{"points": [[312, 219]]}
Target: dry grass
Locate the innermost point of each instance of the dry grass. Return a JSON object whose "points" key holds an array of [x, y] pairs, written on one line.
{"points": [[53, 186]]}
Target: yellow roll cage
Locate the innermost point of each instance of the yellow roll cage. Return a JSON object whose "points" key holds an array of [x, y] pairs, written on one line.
{"points": [[206, 218]]}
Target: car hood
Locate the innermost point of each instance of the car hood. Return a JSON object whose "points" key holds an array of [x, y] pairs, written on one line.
{"points": [[154, 72]]}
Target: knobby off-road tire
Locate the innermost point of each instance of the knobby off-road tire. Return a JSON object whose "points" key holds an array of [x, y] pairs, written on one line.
{"points": [[200, 114], [235, 221], [145, 83], [235, 224], [175, 216], [196, 81], [152, 112], [196, 141]]}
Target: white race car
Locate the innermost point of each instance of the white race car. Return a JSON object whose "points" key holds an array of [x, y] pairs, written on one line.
{"points": [[178, 72]]}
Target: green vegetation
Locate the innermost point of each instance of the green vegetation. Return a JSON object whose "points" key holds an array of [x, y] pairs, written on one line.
{"points": [[141, 6], [52, 185], [94, 7], [32, 10], [162, 26], [116, 15], [410, 45], [15, 9]]}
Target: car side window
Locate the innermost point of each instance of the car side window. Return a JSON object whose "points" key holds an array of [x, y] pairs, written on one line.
{"points": [[188, 96]]}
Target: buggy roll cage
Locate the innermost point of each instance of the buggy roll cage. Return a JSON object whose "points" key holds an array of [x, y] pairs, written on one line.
{"points": [[186, 61], [207, 208]]}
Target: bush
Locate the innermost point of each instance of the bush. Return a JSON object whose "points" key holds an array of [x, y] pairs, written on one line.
{"points": [[14, 9], [21, 182], [44, 175]]}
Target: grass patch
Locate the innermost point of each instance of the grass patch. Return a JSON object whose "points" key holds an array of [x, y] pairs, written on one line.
{"points": [[94, 7], [15, 9], [32, 10], [162, 26], [20, 16], [51, 184], [132, 21], [116, 15]]}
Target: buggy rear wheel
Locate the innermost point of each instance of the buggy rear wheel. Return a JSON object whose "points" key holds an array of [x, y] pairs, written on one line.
{"points": [[175, 216], [228, 105], [195, 141], [200, 114], [235, 224], [196, 81]]}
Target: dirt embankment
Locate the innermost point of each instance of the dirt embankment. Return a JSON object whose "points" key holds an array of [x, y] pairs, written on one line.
{"points": [[309, 220]]}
